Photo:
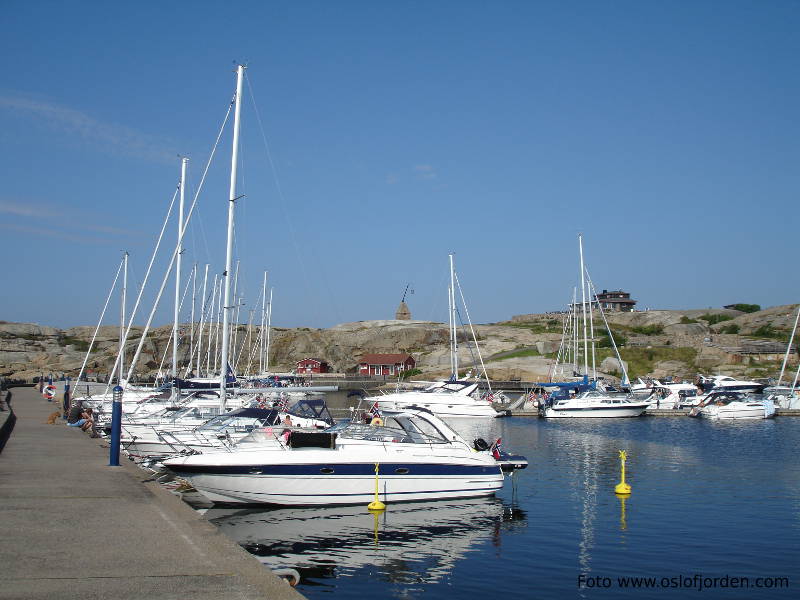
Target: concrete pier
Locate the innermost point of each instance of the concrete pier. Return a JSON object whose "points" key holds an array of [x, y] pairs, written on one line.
{"points": [[73, 527]]}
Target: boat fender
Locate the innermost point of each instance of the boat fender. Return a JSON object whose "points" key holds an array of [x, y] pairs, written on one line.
{"points": [[290, 576], [376, 421], [480, 445]]}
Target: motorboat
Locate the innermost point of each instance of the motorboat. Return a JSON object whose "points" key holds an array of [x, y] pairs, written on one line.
{"points": [[734, 405], [784, 396], [411, 454], [593, 404], [443, 398], [672, 395], [185, 435], [718, 383]]}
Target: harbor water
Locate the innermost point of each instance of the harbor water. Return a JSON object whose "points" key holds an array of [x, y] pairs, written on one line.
{"points": [[714, 511]]}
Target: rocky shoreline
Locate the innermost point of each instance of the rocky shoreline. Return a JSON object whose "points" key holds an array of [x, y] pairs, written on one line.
{"points": [[669, 342]]}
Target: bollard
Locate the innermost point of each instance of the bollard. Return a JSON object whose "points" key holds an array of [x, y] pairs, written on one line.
{"points": [[66, 398], [116, 426]]}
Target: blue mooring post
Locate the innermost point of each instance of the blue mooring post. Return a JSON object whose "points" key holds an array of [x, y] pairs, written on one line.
{"points": [[116, 426], [66, 398]]}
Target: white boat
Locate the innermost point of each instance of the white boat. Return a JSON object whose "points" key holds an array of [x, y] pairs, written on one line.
{"points": [[416, 456], [672, 395], [595, 404], [734, 405], [443, 398], [718, 383], [186, 435]]}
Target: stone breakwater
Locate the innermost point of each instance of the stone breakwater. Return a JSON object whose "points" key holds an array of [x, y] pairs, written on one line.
{"points": [[521, 348]]}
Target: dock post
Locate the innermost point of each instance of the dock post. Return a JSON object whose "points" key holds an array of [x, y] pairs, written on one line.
{"points": [[66, 398], [116, 426]]}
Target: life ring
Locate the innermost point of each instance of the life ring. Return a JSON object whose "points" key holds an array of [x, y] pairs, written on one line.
{"points": [[49, 392], [376, 421]]}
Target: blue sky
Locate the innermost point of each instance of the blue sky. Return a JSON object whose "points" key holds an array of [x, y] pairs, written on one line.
{"points": [[666, 132]]}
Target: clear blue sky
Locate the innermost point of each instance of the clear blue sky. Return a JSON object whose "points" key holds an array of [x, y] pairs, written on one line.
{"points": [[666, 132]]}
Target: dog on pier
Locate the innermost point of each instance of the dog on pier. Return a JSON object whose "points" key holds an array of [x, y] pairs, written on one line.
{"points": [[51, 420]]}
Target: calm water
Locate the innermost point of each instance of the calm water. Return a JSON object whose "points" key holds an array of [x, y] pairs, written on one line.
{"points": [[712, 499]]}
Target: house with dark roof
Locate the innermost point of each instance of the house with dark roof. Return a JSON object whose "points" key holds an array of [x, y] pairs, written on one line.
{"points": [[385, 364]]}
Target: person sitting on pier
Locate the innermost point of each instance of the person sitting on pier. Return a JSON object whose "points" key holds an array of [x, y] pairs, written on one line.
{"points": [[80, 417]]}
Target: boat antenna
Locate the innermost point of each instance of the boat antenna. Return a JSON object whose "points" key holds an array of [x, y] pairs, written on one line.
{"points": [[407, 291]]}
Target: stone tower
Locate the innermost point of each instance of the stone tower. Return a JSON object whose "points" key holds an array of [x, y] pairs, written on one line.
{"points": [[403, 314]]}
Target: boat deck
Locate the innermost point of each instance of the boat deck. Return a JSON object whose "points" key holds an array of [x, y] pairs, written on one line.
{"points": [[73, 527]]}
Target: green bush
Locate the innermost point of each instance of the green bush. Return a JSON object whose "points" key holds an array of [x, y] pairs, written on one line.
{"points": [[410, 373], [747, 308], [686, 320], [714, 319], [648, 329], [733, 328], [769, 332]]}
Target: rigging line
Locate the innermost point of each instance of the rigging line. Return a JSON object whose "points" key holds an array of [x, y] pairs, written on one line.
{"points": [[474, 337], [281, 197], [177, 247], [99, 322]]}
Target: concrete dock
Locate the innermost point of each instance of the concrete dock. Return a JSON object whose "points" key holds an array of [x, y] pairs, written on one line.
{"points": [[73, 527]]}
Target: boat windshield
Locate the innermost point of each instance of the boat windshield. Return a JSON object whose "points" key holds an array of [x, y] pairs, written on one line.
{"points": [[396, 428]]}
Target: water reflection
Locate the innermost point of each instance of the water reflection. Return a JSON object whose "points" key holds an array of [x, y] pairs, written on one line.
{"points": [[414, 543]]}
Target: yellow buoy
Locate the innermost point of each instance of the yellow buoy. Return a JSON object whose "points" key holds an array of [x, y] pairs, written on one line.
{"points": [[622, 487], [376, 504]]}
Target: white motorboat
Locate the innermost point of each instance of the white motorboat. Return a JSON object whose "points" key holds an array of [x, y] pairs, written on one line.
{"points": [[719, 383], [186, 435], [672, 395], [595, 404], [443, 398], [413, 454], [734, 405]]}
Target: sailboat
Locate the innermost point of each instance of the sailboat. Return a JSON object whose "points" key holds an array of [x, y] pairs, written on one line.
{"points": [[585, 400], [450, 398]]}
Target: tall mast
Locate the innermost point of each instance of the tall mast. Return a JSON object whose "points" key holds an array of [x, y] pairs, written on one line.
{"points": [[262, 340], [583, 305], [123, 301], [229, 249], [191, 320], [453, 335], [184, 161], [203, 309], [269, 325]]}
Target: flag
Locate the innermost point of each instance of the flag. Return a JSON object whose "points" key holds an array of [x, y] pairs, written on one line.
{"points": [[375, 411], [495, 449]]}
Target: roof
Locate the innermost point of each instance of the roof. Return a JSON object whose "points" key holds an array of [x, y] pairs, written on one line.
{"points": [[319, 360], [384, 359]]}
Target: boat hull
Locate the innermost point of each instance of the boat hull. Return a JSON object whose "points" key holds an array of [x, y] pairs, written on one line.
{"points": [[594, 412]]}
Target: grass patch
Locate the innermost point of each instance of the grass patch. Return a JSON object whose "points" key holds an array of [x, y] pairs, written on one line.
{"points": [[642, 361], [733, 328], [770, 333], [518, 354], [77, 343], [551, 326], [714, 319], [687, 321]]}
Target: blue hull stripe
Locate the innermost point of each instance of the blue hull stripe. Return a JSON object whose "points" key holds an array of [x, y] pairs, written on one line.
{"points": [[398, 469]]}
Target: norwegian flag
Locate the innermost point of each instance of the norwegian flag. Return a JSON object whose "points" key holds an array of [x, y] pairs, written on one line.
{"points": [[374, 411], [283, 403], [495, 449]]}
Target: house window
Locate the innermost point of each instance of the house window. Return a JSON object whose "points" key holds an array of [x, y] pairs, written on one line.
{"points": [[391, 369]]}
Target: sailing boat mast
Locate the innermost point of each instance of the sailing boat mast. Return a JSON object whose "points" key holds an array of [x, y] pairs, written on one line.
{"points": [[123, 301], [453, 336], [184, 161], [229, 248], [583, 305]]}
